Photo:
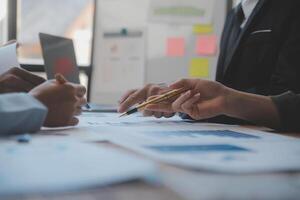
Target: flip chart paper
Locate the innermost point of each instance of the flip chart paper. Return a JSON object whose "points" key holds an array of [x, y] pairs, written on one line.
{"points": [[206, 45], [122, 65], [202, 28], [175, 47], [199, 68]]}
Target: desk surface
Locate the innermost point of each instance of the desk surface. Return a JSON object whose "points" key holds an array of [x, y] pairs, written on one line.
{"points": [[181, 183]]}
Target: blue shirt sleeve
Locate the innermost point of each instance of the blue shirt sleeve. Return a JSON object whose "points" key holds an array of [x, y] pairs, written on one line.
{"points": [[20, 113]]}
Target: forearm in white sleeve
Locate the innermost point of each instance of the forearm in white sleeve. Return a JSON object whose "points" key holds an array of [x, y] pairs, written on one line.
{"points": [[20, 113]]}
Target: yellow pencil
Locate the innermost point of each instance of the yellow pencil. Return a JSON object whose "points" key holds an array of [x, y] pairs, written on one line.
{"points": [[155, 100]]}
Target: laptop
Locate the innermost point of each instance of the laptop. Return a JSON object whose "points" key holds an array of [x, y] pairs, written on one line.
{"points": [[59, 57]]}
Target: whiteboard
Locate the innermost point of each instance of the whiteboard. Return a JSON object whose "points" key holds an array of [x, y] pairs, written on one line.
{"points": [[158, 67]]}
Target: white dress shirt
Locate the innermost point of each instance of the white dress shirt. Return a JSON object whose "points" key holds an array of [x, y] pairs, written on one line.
{"points": [[248, 7]]}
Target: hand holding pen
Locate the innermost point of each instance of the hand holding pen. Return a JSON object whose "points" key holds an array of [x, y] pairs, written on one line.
{"points": [[155, 100], [62, 99], [62, 80]]}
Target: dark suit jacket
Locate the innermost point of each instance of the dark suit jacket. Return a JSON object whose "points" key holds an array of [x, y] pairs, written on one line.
{"points": [[288, 105], [266, 57]]}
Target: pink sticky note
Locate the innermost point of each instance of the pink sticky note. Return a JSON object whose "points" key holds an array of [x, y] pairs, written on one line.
{"points": [[206, 45], [175, 47]]}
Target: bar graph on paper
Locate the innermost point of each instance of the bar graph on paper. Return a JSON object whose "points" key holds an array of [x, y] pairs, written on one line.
{"points": [[200, 133]]}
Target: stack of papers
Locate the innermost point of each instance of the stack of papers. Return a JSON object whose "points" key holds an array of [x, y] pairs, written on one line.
{"points": [[57, 165], [215, 147]]}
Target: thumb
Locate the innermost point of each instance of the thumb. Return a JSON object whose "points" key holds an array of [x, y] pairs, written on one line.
{"points": [[74, 121]]}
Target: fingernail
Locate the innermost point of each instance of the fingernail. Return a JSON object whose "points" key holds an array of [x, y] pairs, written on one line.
{"points": [[197, 95], [188, 92]]}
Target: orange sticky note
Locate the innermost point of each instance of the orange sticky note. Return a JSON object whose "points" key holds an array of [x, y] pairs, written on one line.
{"points": [[206, 45], [175, 47], [199, 68]]}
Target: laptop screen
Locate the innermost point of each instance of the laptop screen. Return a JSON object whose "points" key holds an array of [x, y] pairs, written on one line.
{"points": [[59, 57]]}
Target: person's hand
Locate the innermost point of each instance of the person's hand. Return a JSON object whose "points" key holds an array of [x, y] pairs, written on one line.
{"points": [[63, 101], [137, 96], [203, 99], [18, 80]]}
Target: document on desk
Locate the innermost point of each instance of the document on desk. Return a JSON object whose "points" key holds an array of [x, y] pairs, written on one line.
{"points": [[8, 57], [216, 147], [135, 128], [212, 186], [59, 166], [227, 157]]}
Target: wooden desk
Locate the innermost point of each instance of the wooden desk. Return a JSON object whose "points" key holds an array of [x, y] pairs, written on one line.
{"points": [[190, 185]]}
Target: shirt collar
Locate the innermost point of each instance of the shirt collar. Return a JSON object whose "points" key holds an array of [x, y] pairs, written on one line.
{"points": [[248, 7]]}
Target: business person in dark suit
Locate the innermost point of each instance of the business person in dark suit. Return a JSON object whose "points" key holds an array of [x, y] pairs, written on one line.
{"points": [[259, 52], [260, 47]]}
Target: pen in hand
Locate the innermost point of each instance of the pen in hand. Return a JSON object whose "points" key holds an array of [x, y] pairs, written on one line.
{"points": [[155, 100]]}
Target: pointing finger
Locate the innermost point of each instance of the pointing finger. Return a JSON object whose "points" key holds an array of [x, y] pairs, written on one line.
{"points": [[136, 97], [74, 121]]}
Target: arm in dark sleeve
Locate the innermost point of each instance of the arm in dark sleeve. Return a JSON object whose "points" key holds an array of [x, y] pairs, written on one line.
{"points": [[20, 113], [288, 105], [287, 71]]}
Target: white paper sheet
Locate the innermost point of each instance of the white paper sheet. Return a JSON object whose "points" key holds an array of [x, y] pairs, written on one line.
{"points": [[122, 65], [136, 128], [57, 165], [8, 57], [205, 146], [213, 186], [181, 12], [229, 157]]}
